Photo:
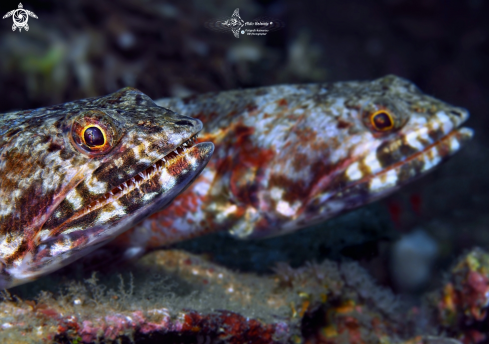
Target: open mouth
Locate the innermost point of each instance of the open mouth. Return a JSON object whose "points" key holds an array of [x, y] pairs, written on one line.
{"points": [[135, 181]]}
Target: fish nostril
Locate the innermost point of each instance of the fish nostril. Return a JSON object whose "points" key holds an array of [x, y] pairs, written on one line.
{"points": [[184, 122], [459, 114]]}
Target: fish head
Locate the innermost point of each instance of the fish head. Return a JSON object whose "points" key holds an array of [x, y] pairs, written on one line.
{"points": [[339, 146], [76, 175], [399, 135]]}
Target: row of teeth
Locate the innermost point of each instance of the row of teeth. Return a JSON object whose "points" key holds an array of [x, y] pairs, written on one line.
{"points": [[136, 181]]}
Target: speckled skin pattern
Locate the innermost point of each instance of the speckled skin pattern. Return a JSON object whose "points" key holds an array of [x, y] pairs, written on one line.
{"points": [[62, 196], [290, 156]]}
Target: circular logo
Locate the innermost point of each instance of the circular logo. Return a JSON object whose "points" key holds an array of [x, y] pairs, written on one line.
{"points": [[20, 17]]}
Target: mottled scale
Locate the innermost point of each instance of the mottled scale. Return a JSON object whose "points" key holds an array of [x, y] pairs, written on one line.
{"points": [[289, 156], [62, 168], [286, 157]]}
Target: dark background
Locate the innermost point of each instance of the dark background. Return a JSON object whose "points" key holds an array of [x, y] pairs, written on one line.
{"points": [[78, 49]]}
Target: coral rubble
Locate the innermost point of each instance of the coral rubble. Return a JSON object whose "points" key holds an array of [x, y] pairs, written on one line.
{"points": [[177, 297], [461, 304]]}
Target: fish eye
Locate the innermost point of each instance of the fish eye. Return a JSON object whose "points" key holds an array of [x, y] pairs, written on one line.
{"points": [[382, 120], [93, 133], [93, 136]]}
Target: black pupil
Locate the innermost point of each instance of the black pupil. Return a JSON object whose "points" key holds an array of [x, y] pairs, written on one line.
{"points": [[93, 137], [382, 121]]}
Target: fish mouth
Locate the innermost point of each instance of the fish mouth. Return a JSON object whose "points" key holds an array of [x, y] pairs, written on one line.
{"points": [[141, 177], [419, 163], [140, 194], [390, 178], [374, 186], [109, 214]]}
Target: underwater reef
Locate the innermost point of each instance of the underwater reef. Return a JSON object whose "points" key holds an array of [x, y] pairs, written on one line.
{"points": [[173, 296], [86, 48]]}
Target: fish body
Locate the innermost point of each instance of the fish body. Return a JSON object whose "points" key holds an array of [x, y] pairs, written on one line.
{"points": [[75, 175], [289, 156]]}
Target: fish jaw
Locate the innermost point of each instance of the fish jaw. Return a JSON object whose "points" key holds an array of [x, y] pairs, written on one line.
{"points": [[376, 186], [77, 196], [94, 229]]}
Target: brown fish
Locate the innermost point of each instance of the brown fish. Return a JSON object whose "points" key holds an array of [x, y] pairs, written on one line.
{"points": [[75, 175]]}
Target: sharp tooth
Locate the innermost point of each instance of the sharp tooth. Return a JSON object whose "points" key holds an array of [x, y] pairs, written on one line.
{"points": [[163, 159], [175, 152], [133, 180], [125, 185], [120, 188], [141, 174], [111, 193], [185, 144]]}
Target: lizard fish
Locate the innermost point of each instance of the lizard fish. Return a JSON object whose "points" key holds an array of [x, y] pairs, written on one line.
{"points": [[75, 175], [290, 156]]}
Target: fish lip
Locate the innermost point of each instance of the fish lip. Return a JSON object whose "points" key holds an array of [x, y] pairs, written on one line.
{"points": [[201, 151], [192, 136], [141, 177], [464, 134], [461, 134]]}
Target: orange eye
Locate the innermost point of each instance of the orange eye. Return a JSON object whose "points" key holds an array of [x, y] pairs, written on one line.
{"points": [[382, 120], [93, 133], [93, 136]]}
